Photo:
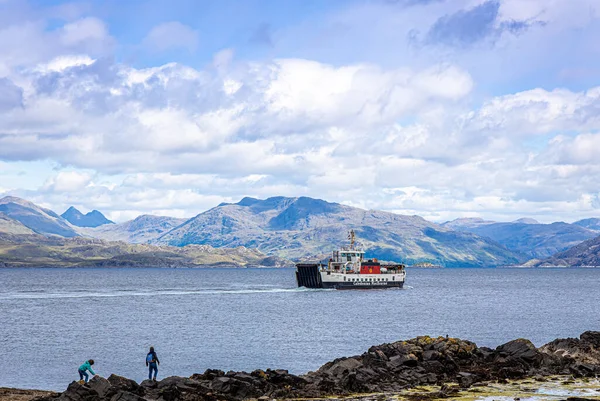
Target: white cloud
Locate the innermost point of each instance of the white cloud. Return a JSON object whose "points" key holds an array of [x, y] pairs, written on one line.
{"points": [[68, 181], [388, 127], [538, 111], [61, 63], [85, 30], [362, 93], [305, 128], [171, 35]]}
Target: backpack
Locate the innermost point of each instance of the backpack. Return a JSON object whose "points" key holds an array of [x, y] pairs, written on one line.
{"points": [[150, 358]]}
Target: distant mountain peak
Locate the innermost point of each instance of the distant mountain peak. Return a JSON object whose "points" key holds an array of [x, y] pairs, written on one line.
{"points": [[16, 200], [248, 201], [37, 219], [466, 222], [526, 220], [591, 223], [91, 219], [469, 219]]}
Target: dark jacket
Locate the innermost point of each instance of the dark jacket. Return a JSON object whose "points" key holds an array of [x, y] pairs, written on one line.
{"points": [[154, 358]]}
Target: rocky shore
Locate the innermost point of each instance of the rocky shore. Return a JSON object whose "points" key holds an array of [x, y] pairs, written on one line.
{"points": [[449, 363]]}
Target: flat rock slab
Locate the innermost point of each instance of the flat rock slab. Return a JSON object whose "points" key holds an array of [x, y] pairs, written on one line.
{"points": [[15, 394]]}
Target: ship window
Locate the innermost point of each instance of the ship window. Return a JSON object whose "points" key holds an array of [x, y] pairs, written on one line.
{"points": [[344, 278]]}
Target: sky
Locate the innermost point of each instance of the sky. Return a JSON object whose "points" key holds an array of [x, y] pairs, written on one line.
{"points": [[437, 108]]}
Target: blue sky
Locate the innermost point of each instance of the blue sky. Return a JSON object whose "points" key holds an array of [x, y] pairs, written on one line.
{"points": [[441, 108]]}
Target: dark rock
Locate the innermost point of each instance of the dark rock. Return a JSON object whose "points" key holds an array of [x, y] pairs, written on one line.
{"points": [[236, 388], [79, 392], [431, 355], [151, 384], [466, 379], [591, 337], [520, 349], [123, 383], [209, 374], [101, 386], [409, 360], [579, 399], [126, 396]]}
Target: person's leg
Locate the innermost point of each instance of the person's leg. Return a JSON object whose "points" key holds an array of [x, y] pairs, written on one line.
{"points": [[150, 371], [80, 375], [153, 368], [86, 376]]}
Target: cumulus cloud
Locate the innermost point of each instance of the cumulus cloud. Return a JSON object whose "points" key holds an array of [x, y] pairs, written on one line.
{"points": [[172, 35], [468, 26], [68, 181], [295, 127], [25, 43], [418, 137], [11, 95]]}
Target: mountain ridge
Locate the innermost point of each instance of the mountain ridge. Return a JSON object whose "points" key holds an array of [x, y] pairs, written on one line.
{"points": [[140, 230], [585, 254], [38, 219], [302, 227], [527, 236], [90, 219]]}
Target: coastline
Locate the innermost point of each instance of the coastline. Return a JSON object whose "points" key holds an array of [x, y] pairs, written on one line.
{"points": [[539, 389], [416, 369]]}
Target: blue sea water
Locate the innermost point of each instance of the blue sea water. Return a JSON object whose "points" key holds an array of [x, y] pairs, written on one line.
{"points": [[52, 320]]}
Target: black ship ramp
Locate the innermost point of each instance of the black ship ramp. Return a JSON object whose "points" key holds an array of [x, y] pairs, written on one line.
{"points": [[308, 275]]}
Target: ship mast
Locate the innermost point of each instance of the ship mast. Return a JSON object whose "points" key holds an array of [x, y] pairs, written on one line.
{"points": [[351, 237]]}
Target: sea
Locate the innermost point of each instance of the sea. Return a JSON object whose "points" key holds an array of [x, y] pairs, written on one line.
{"points": [[52, 320]]}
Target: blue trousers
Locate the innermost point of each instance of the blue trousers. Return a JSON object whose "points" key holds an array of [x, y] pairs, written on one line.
{"points": [[152, 366], [82, 374]]}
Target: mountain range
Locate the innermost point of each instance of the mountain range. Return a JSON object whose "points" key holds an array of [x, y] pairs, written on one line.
{"points": [[35, 218], [529, 237], [90, 219], [141, 230], [585, 254], [297, 228], [34, 236], [305, 228]]}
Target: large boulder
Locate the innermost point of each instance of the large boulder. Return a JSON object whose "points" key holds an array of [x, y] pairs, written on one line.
{"points": [[121, 383], [79, 392], [591, 338], [101, 386], [570, 351], [236, 388], [126, 396], [520, 350]]}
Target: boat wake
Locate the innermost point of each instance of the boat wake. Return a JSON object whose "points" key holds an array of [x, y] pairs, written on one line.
{"points": [[149, 293]]}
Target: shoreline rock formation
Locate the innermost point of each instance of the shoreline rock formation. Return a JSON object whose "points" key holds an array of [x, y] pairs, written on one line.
{"points": [[448, 362]]}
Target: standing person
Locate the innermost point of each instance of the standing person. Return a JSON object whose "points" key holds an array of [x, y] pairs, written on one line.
{"points": [[152, 362], [87, 365]]}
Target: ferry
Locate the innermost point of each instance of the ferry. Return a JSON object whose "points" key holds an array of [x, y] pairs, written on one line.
{"points": [[348, 269]]}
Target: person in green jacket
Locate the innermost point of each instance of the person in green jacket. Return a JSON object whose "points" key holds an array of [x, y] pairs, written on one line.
{"points": [[87, 365]]}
